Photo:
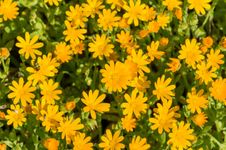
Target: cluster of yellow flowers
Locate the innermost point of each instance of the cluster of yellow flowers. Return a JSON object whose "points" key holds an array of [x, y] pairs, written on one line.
{"points": [[118, 28]]}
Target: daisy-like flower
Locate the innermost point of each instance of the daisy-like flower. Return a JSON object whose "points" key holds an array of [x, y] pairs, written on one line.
{"points": [[196, 101], [4, 53], [149, 13], [174, 65], [53, 2], [21, 91], [207, 41], [93, 103], [15, 116], [135, 104], [112, 142], [181, 136], [81, 142], [116, 4], [63, 52], [200, 6], [124, 38], [38, 107], [51, 118], [200, 119], [77, 48], [163, 20], [49, 91], [139, 143], [205, 73], [153, 26], [140, 83], [108, 19], [28, 46], [8, 9], [76, 16], [115, 76], [153, 51], [163, 90], [191, 53], [69, 127], [128, 123], [101, 46], [218, 90], [51, 144], [134, 12], [215, 58], [92, 7], [171, 4], [164, 116]]}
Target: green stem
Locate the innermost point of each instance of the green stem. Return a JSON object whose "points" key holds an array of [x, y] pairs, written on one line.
{"points": [[214, 139]]}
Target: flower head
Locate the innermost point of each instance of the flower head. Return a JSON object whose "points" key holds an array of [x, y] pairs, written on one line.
{"points": [[199, 119], [139, 143], [174, 65], [8, 9], [63, 52], [51, 144], [171, 4], [215, 58], [218, 90], [52, 2], [92, 7], [200, 6], [81, 142], [153, 51], [128, 123]]}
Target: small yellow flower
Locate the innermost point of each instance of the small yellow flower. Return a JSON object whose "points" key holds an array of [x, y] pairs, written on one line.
{"points": [[207, 41], [200, 6], [81, 142], [153, 51], [164, 41], [139, 143], [149, 13], [4, 53], [200, 119], [8, 9], [128, 123], [171, 4], [51, 144], [39, 106], [77, 48], [174, 65], [215, 58], [53, 2], [218, 90], [70, 105], [2, 115], [63, 52], [163, 20], [179, 14], [124, 38], [3, 146], [140, 83], [92, 7]]}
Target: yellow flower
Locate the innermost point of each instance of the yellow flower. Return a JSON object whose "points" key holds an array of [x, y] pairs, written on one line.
{"points": [[8, 9], [92, 7], [15, 116], [115, 76], [200, 6], [22, 92], [215, 58], [153, 51], [205, 73], [76, 16], [179, 14], [164, 116], [116, 4], [164, 41], [134, 12], [2, 115], [181, 136], [149, 13], [207, 41], [135, 104], [191, 53], [81, 142], [218, 90], [200, 119], [29, 46], [38, 107], [163, 20], [101, 46], [77, 48], [174, 65], [171, 4], [3, 146], [124, 38], [196, 101], [139, 143], [94, 103], [128, 123], [51, 118], [72, 33], [163, 90], [140, 83], [153, 26], [49, 91], [51, 144], [52, 2], [70, 105], [63, 52], [4, 53], [108, 19], [112, 142], [69, 127]]}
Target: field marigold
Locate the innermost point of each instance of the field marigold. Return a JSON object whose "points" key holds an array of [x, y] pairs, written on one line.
{"points": [[218, 90], [174, 65], [128, 123], [199, 6], [139, 143], [63, 52], [92, 7], [199, 119], [215, 58], [153, 51], [81, 142], [8, 9], [171, 4], [93, 103]]}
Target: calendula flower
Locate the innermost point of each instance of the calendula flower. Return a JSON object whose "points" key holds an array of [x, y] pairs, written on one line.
{"points": [[53, 2], [205, 73], [63, 52], [81, 142], [77, 16], [163, 90], [38, 107], [8, 9], [218, 90], [28, 46], [15, 115], [191, 53], [77, 48], [51, 144], [149, 13], [128, 123], [92, 7], [181, 136], [163, 20], [124, 38], [153, 51], [171, 4], [196, 101], [200, 6], [215, 58], [140, 83], [108, 19], [112, 142], [93, 103], [49, 91], [101, 46], [174, 65], [134, 12], [115, 76], [153, 26], [69, 127], [21, 92], [199, 119], [139, 143], [4, 53], [135, 104]]}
